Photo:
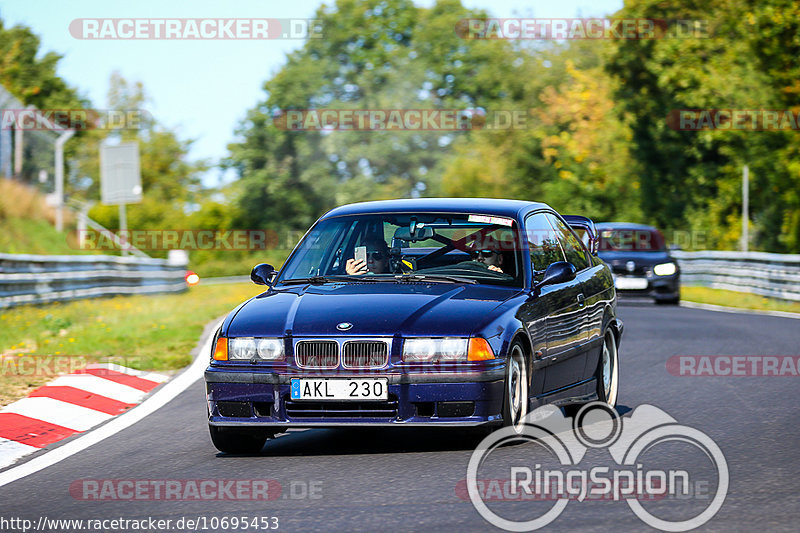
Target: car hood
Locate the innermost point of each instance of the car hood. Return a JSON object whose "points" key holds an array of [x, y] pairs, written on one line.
{"points": [[372, 308], [639, 258]]}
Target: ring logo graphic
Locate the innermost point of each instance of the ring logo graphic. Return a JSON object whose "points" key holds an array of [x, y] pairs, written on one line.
{"points": [[595, 426]]}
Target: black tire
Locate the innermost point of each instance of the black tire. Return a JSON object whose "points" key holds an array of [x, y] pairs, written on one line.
{"points": [[607, 373], [238, 441], [515, 397], [671, 301]]}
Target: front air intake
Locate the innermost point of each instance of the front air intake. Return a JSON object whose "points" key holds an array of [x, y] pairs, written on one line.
{"points": [[365, 354], [317, 354]]}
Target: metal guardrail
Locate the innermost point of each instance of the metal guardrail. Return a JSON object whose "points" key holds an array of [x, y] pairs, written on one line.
{"points": [[773, 275], [34, 279], [220, 280]]}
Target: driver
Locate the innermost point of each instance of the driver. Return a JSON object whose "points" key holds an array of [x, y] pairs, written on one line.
{"points": [[488, 253], [490, 257], [377, 259]]}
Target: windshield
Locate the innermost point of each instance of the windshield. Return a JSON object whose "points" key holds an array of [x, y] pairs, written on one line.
{"points": [[470, 248], [627, 240]]}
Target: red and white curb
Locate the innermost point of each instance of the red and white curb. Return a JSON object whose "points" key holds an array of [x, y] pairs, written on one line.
{"points": [[70, 404]]}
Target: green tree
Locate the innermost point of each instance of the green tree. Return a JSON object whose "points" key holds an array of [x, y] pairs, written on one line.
{"points": [[375, 54], [30, 75], [690, 179]]}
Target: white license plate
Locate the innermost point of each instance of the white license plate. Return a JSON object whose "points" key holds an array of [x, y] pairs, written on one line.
{"points": [[630, 283], [340, 389]]}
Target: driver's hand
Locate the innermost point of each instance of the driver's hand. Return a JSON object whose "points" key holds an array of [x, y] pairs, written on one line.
{"points": [[495, 268], [355, 268]]}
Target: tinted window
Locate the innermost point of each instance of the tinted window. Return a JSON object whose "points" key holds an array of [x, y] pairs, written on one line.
{"points": [[573, 249], [630, 239], [475, 246], [542, 242]]}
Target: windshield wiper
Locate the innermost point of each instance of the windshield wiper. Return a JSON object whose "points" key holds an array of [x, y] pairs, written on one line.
{"points": [[435, 277], [314, 280], [319, 279]]}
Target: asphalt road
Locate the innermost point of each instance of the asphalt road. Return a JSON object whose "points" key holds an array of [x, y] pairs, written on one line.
{"points": [[405, 480]]}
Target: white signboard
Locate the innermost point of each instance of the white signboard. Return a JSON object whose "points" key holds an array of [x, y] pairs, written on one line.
{"points": [[120, 178]]}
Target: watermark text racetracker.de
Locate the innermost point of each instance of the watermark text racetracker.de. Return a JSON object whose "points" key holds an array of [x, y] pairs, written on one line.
{"points": [[734, 365], [211, 489], [194, 28], [734, 119], [400, 119], [544, 467], [23, 364], [174, 239], [74, 119], [581, 29]]}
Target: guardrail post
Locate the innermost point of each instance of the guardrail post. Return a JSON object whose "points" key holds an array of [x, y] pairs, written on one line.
{"points": [[62, 139]]}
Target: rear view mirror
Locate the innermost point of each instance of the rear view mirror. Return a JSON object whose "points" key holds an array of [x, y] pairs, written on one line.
{"points": [[420, 234], [263, 274]]}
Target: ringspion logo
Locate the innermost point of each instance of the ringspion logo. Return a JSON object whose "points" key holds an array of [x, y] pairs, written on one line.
{"points": [[548, 481]]}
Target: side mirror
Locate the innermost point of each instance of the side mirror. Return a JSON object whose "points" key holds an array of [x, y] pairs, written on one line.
{"points": [[263, 274], [558, 272]]}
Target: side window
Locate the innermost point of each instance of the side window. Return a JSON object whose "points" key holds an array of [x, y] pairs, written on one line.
{"points": [[573, 249], [543, 243]]}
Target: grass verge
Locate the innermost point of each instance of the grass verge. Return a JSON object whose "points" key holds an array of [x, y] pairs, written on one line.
{"points": [[144, 332], [742, 300]]}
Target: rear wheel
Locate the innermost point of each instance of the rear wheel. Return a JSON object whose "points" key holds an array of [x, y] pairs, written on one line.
{"points": [[238, 441], [608, 370], [515, 403]]}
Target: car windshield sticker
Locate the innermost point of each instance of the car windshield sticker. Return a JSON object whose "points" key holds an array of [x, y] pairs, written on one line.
{"points": [[491, 220]]}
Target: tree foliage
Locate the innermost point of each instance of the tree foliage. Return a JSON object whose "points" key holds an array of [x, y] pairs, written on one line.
{"points": [[597, 139], [31, 76]]}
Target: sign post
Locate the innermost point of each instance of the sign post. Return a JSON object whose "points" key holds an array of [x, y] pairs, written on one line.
{"points": [[120, 179], [745, 208]]}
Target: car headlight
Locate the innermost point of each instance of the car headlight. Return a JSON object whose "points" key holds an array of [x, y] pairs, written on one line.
{"points": [[665, 269], [246, 348], [431, 350]]}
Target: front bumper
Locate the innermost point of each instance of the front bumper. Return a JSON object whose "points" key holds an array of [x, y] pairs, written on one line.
{"points": [[255, 398], [658, 287]]}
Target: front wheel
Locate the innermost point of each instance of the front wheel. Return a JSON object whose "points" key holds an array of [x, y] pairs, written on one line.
{"points": [[237, 441], [515, 403], [608, 371]]}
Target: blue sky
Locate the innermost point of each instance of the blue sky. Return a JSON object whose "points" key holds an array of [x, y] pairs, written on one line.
{"points": [[204, 88]]}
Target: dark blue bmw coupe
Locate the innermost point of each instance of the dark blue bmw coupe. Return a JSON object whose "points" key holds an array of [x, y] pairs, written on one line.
{"points": [[436, 312]]}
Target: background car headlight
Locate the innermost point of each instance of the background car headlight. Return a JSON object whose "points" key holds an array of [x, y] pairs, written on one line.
{"points": [[665, 269], [430, 350], [246, 348]]}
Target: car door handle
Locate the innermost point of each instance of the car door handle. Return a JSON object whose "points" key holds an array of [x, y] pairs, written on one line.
{"points": [[581, 299]]}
